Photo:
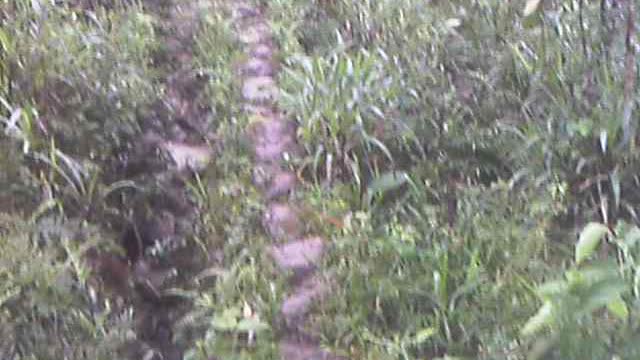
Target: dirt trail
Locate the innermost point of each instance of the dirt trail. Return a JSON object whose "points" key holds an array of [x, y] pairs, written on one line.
{"points": [[173, 147], [273, 138]]}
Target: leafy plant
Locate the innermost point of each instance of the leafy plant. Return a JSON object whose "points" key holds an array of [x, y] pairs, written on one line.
{"points": [[48, 307], [570, 305]]}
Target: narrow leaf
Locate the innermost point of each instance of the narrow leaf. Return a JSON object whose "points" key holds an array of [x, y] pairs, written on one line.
{"points": [[542, 318]]}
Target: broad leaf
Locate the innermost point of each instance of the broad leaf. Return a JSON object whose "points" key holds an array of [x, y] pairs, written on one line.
{"points": [[602, 294], [619, 308], [553, 288], [388, 181], [531, 7], [251, 324], [589, 240]]}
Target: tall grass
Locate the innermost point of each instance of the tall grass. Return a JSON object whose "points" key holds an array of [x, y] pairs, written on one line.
{"points": [[494, 133]]}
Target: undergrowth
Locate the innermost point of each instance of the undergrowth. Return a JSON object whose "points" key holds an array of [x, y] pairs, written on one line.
{"points": [[473, 164], [471, 142]]}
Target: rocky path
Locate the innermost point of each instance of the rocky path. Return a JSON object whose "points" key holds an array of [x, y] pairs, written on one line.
{"points": [[273, 138], [178, 131]]}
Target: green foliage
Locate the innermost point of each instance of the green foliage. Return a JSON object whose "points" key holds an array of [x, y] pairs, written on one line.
{"points": [[216, 53], [454, 145], [487, 126], [87, 73], [47, 307], [237, 295], [571, 306], [72, 86], [339, 101]]}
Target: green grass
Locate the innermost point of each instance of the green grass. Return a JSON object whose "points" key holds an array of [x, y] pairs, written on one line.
{"points": [[454, 153], [481, 142]]}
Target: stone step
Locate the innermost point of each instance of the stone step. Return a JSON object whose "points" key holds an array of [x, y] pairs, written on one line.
{"points": [[244, 11], [272, 133], [260, 89], [293, 348], [263, 51], [274, 152], [270, 125], [281, 184], [258, 109], [296, 306], [187, 157], [300, 255], [258, 67], [257, 32], [282, 222]]}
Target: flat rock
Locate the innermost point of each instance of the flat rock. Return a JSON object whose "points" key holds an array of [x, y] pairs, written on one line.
{"points": [[292, 348], [244, 11], [258, 109], [255, 33], [273, 152], [299, 255], [262, 51], [271, 128], [258, 67], [184, 156], [298, 303], [282, 222], [260, 89], [281, 184]]}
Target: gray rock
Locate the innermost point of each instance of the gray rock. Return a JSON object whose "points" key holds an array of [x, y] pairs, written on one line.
{"points": [[281, 184], [184, 156], [282, 222], [299, 255], [295, 348], [258, 67], [255, 33], [298, 303], [262, 51], [271, 152], [260, 89]]}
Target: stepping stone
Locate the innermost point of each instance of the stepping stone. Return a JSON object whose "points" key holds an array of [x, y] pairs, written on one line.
{"points": [[262, 51], [281, 184], [300, 255], [297, 304], [244, 11], [184, 156], [260, 89], [256, 33], [258, 67], [282, 222], [273, 152], [271, 129], [258, 110], [292, 348]]}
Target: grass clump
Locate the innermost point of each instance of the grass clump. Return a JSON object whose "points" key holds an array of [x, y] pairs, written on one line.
{"points": [[488, 135], [73, 84]]}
